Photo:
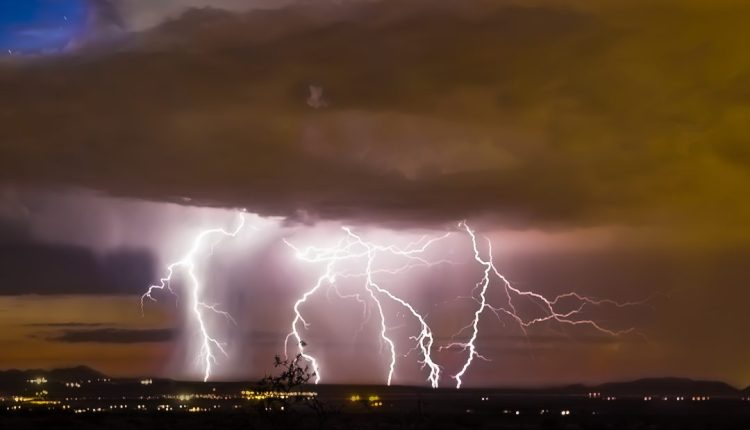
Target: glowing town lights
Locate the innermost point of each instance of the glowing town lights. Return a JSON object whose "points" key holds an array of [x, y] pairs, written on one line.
{"points": [[280, 395], [371, 400]]}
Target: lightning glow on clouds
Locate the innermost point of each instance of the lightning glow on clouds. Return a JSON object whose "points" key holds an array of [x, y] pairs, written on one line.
{"points": [[359, 268]]}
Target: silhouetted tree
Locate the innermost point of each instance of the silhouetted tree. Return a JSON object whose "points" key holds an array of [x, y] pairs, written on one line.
{"points": [[294, 373], [284, 395]]}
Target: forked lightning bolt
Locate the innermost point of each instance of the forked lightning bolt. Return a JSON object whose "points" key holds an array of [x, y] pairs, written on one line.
{"points": [[353, 250], [550, 313], [210, 345]]}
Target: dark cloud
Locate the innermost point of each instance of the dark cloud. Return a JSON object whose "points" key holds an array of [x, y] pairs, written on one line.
{"points": [[103, 21], [46, 269], [67, 324], [136, 15], [539, 115], [114, 335], [13, 217]]}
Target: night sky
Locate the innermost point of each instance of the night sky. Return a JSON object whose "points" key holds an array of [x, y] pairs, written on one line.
{"points": [[601, 146], [40, 25]]}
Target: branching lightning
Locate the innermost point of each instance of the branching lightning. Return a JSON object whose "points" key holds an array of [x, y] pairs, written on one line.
{"points": [[354, 250], [353, 247], [210, 345], [364, 265]]}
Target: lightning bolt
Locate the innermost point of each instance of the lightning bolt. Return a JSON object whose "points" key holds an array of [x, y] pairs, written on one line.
{"points": [[353, 248], [548, 306], [210, 345]]}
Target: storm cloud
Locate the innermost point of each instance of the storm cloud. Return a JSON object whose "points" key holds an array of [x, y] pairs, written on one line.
{"points": [[114, 335], [48, 269], [66, 324], [575, 116]]}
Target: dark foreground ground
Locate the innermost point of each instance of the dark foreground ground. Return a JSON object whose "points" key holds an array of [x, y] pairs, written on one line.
{"points": [[719, 415], [82, 402], [380, 421]]}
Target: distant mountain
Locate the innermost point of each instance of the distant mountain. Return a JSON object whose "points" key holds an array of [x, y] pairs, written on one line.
{"points": [[16, 378], [666, 387], [13, 380], [75, 373], [638, 388]]}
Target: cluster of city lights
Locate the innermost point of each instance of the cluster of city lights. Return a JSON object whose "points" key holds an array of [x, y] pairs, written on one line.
{"points": [[371, 400], [280, 395], [215, 402]]}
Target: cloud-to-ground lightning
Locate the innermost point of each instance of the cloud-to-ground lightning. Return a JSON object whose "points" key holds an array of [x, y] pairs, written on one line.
{"points": [[364, 264], [210, 345], [547, 306], [353, 250], [353, 247]]}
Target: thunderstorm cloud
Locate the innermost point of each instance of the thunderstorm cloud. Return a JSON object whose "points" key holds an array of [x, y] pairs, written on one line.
{"points": [[48, 269], [114, 335], [578, 115]]}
